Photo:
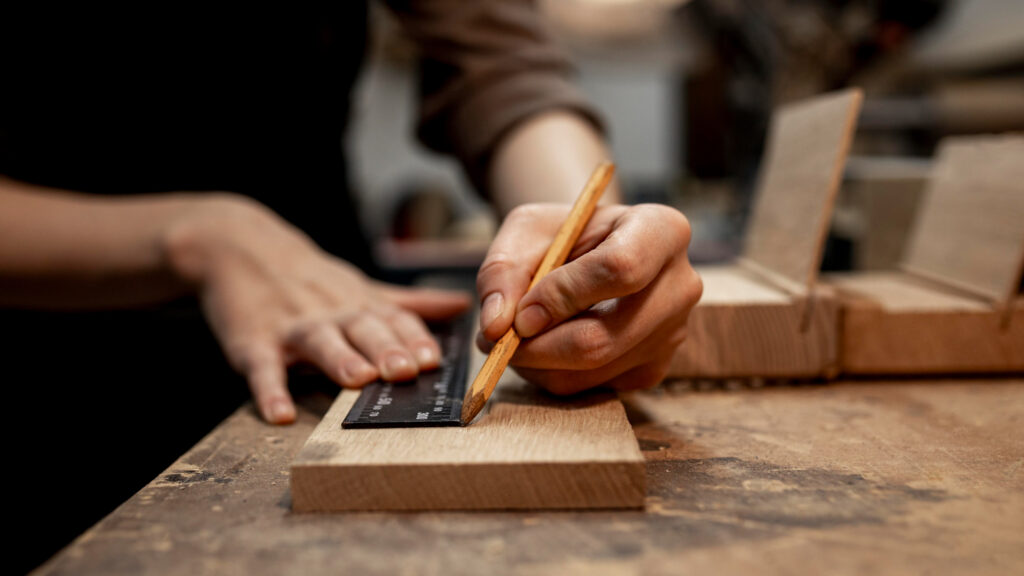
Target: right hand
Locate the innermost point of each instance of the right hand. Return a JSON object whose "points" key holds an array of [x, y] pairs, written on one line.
{"points": [[273, 298]]}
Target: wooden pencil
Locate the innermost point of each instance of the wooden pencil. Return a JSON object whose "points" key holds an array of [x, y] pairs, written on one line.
{"points": [[496, 362]]}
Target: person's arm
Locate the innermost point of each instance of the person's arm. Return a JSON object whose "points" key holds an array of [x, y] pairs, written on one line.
{"points": [[272, 297], [64, 250]]}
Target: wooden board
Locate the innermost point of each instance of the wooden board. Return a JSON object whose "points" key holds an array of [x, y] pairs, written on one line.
{"points": [[894, 323], [527, 451], [744, 327], [764, 316], [970, 230], [807, 147], [904, 477]]}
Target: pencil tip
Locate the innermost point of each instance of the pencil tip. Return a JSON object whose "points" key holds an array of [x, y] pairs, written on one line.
{"points": [[471, 406]]}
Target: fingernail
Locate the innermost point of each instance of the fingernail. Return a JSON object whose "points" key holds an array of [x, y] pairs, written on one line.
{"points": [[427, 356], [532, 320], [396, 364], [492, 308], [280, 412]]}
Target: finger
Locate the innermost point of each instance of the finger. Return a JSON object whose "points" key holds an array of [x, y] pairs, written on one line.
{"points": [[264, 370], [375, 339], [321, 344], [643, 242], [428, 303], [417, 339], [640, 378], [656, 351], [607, 331], [513, 256]]}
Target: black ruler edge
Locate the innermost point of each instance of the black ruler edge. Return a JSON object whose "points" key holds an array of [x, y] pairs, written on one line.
{"points": [[405, 401]]}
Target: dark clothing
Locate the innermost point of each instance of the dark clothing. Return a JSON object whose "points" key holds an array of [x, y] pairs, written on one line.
{"points": [[253, 103], [256, 103]]}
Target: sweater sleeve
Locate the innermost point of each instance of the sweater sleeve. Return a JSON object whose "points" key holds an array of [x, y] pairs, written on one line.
{"points": [[486, 65]]}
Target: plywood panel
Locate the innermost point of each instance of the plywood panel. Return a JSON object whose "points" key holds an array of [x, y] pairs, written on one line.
{"points": [[970, 231], [528, 451], [807, 149]]}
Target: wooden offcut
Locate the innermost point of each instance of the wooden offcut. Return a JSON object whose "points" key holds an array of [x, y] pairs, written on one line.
{"points": [[955, 307], [531, 451], [765, 315]]}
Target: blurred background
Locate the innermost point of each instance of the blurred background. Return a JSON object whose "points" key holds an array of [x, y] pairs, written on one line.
{"points": [[687, 89]]}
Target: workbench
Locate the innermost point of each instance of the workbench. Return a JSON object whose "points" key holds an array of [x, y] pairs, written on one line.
{"points": [[851, 477]]}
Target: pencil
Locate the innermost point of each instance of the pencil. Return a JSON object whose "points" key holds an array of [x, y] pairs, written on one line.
{"points": [[568, 234]]}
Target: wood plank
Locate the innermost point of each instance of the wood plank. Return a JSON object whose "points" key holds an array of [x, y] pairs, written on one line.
{"points": [[970, 230], [807, 147], [894, 323], [890, 477], [528, 451], [744, 327]]}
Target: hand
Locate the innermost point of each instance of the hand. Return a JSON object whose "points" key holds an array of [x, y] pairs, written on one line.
{"points": [[612, 315], [273, 298]]}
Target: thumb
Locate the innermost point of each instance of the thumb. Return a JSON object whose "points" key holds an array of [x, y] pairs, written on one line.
{"points": [[428, 303]]}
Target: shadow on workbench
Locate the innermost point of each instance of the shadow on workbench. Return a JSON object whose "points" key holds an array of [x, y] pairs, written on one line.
{"points": [[97, 405]]}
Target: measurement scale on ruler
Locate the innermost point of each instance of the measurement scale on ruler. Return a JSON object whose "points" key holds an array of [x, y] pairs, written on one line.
{"points": [[433, 399]]}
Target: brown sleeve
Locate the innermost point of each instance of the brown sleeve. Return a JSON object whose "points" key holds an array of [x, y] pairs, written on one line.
{"points": [[486, 66]]}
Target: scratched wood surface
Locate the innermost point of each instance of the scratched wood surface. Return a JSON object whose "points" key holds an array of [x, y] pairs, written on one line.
{"points": [[907, 477]]}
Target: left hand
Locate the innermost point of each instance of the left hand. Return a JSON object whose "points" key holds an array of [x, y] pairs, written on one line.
{"points": [[612, 315]]}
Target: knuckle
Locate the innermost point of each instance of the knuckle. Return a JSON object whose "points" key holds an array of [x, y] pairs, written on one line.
{"points": [[525, 213], [622, 268], [678, 224], [495, 266], [592, 345]]}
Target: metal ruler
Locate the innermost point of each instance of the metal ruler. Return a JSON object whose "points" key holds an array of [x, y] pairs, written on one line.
{"points": [[432, 399]]}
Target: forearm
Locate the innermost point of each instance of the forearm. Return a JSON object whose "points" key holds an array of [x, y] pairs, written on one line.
{"points": [[62, 249], [547, 158]]}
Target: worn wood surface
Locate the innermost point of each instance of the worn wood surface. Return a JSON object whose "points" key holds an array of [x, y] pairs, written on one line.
{"points": [[745, 327], [895, 323], [807, 147], [528, 451], [970, 230], [904, 477]]}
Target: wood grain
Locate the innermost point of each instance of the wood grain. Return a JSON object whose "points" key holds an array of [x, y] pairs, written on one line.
{"points": [[895, 323], [970, 230], [532, 451], [745, 327], [807, 147]]}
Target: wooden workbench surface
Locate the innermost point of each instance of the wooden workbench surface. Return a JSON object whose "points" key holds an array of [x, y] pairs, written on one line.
{"points": [[856, 477]]}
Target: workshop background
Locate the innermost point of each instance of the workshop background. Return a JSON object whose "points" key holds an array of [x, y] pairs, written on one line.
{"points": [[687, 89]]}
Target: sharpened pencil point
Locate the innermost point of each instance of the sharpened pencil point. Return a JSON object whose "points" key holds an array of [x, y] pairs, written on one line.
{"points": [[472, 406]]}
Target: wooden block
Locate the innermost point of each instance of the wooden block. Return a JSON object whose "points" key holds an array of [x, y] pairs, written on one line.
{"points": [[807, 148], [743, 327], [530, 451], [894, 323], [765, 316], [970, 231]]}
